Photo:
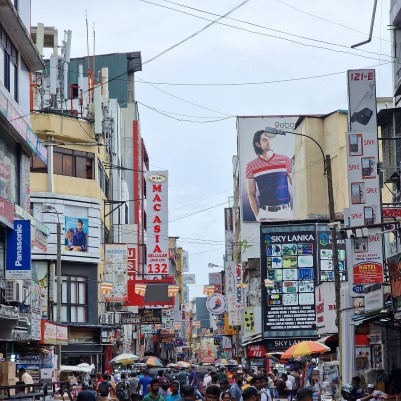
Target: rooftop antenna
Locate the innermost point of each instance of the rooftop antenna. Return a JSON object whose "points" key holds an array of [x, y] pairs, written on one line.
{"points": [[89, 67], [93, 58]]}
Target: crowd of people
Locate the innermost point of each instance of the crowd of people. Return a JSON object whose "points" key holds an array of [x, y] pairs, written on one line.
{"points": [[221, 384]]}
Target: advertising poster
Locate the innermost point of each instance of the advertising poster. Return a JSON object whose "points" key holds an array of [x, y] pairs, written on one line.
{"points": [[18, 255], [288, 296], [229, 234], [325, 255], [265, 163], [325, 299], [157, 217], [41, 278], [115, 256], [394, 267], [249, 321], [76, 234]]}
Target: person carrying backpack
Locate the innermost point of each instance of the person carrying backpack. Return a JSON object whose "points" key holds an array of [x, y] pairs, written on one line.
{"points": [[123, 389], [183, 377], [103, 387]]}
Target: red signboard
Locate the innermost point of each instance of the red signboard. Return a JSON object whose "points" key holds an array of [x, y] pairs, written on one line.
{"points": [[391, 212], [7, 212], [368, 273], [256, 351], [53, 333], [139, 300]]}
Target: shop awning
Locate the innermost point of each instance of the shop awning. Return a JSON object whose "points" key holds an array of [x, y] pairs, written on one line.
{"points": [[83, 348], [253, 339], [329, 339]]}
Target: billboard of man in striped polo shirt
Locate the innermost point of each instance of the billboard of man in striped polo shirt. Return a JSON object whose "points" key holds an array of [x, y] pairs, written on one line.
{"points": [[269, 180]]}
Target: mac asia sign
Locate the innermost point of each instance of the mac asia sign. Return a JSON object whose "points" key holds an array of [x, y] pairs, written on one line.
{"points": [[157, 218], [289, 270]]}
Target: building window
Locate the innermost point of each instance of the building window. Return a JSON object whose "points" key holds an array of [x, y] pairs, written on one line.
{"points": [[72, 163], [126, 214], [37, 165], [9, 182], [104, 181], [8, 64], [74, 300]]}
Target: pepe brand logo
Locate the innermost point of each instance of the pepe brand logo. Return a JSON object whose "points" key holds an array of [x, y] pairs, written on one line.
{"points": [[157, 178], [324, 239]]}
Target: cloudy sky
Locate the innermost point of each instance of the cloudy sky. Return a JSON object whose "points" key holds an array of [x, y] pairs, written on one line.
{"points": [[265, 57]]}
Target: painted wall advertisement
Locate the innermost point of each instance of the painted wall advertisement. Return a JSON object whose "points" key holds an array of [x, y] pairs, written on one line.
{"points": [[288, 266], [157, 217], [265, 168], [116, 256], [363, 178], [18, 255]]}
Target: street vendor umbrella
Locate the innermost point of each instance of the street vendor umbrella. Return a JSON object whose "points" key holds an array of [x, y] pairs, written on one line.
{"points": [[171, 365], [182, 364], [153, 361], [232, 362], [124, 359], [221, 361], [305, 348]]}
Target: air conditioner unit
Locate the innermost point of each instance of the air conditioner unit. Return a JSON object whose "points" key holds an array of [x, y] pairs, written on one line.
{"points": [[106, 318], [15, 291]]}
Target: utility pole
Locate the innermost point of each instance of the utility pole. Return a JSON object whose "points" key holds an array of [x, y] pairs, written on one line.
{"points": [[58, 276]]}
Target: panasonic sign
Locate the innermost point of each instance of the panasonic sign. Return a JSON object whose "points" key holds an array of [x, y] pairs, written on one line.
{"points": [[18, 256]]}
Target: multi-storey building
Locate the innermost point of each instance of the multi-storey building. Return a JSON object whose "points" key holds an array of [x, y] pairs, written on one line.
{"points": [[19, 314]]}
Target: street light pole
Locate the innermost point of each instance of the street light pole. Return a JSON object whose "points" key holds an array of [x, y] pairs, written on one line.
{"points": [[333, 227], [58, 278]]}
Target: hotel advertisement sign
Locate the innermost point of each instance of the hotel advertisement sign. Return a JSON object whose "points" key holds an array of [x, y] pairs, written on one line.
{"points": [[157, 217], [288, 263]]}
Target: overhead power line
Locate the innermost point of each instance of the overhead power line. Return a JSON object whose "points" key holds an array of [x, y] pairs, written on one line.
{"points": [[349, 52], [195, 33]]}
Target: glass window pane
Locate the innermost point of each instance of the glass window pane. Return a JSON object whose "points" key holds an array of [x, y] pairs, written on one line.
{"points": [[81, 314], [73, 299], [80, 167], [67, 165], [58, 163], [13, 77], [64, 313], [2, 64], [89, 169], [37, 166], [64, 292]]}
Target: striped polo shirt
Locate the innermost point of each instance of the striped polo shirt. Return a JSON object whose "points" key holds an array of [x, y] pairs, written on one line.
{"points": [[271, 179]]}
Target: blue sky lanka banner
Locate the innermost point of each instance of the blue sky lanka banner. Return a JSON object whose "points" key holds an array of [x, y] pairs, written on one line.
{"points": [[18, 257]]}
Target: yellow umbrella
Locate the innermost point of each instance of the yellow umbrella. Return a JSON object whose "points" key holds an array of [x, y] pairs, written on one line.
{"points": [[304, 348]]}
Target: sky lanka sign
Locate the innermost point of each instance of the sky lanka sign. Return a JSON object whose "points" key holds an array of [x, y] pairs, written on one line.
{"points": [[157, 211]]}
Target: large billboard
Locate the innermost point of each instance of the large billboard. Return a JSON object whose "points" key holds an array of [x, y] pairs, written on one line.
{"points": [[288, 266], [157, 262], [265, 163]]}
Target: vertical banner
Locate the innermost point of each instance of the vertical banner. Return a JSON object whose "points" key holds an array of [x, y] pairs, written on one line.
{"points": [[229, 234], [363, 178], [239, 291], [184, 262], [394, 267], [116, 271], [157, 218], [18, 254], [288, 265]]}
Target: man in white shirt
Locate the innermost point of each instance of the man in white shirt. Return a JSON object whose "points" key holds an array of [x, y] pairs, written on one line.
{"points": [[208, 378], [376, 395], [288, 386]]}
